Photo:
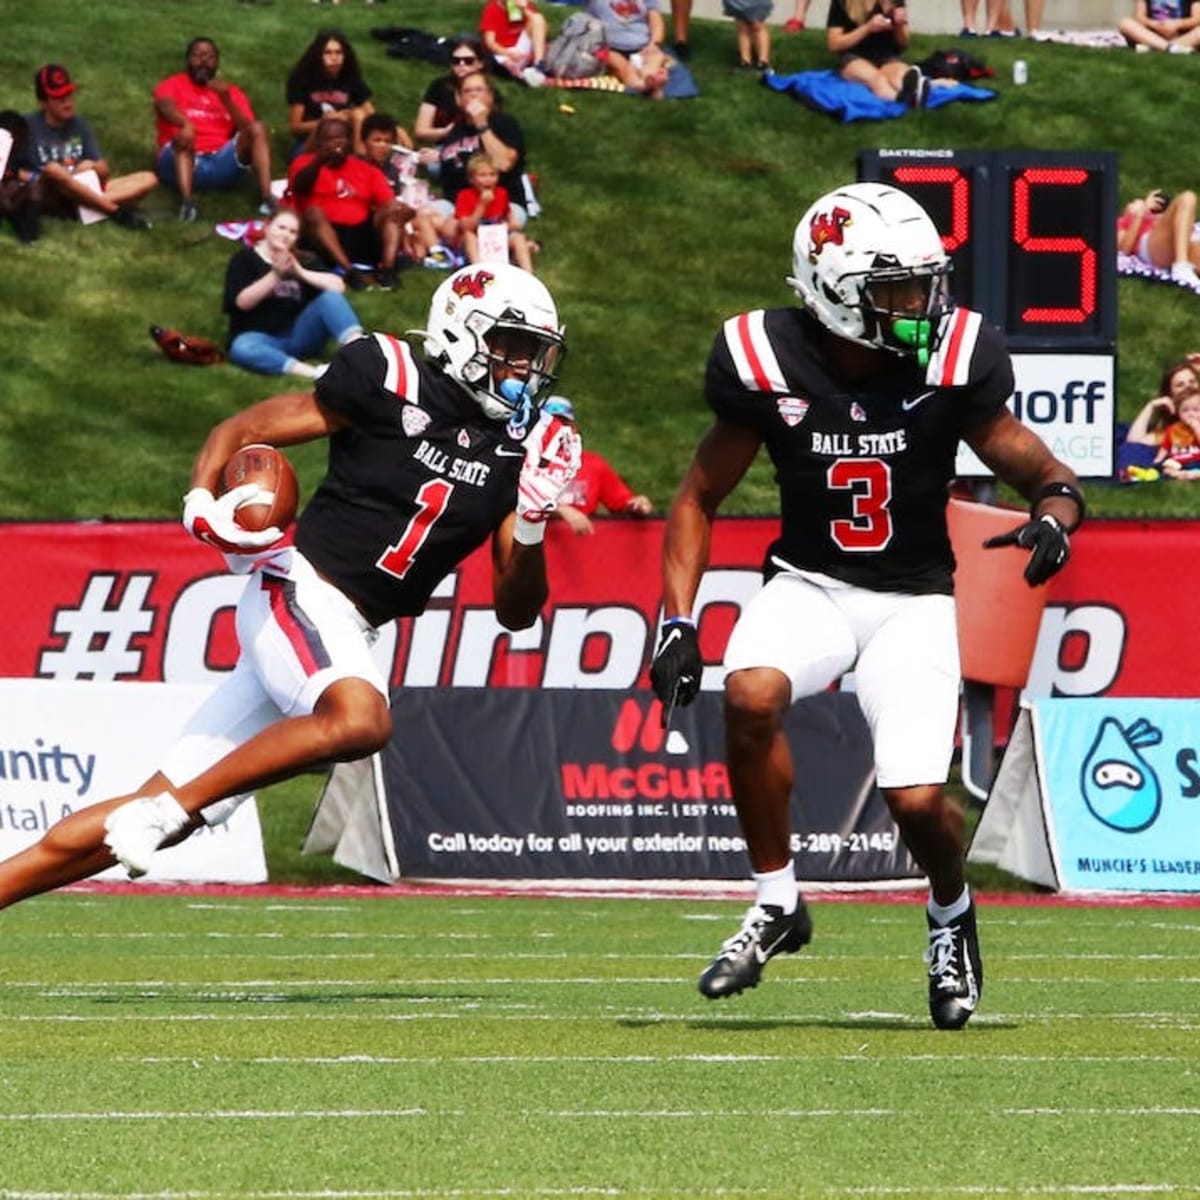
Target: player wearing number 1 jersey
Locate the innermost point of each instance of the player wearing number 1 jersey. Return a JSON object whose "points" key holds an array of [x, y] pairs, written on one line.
{"points": [[428, 458], [860, 398]]}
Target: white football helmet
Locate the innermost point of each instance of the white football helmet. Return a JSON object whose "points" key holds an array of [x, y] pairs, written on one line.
{"points": [[491, 317], [849, 251]]}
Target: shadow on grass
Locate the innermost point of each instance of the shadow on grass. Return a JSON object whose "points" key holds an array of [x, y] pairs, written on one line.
{"points": [[883, 1022]]}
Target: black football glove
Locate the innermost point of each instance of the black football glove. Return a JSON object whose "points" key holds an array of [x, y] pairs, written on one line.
{"points": [[677, 666], [1047, 542]]}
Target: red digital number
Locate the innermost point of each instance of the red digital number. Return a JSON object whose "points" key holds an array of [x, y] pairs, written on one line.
{"points": [[870, 524], [432, 498], [960, 198], [1022, 201]]}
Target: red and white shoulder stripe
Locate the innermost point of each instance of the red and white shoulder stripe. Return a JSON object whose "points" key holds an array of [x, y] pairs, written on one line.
{"points": [[950, 363], [753, 356], [400, 373]]}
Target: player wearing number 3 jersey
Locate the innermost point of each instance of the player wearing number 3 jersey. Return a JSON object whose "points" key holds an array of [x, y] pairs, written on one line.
{"points": [[860, 399], [428, 458]]}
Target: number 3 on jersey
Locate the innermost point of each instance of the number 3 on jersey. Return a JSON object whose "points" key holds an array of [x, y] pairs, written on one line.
{"points": [[869, 480], [432, 499]]}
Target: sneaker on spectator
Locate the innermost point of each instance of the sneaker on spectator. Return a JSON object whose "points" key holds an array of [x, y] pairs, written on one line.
{"points": [[356, 280], [532, 77], [385, 278], [914, 87], [682, 51], [130, 218], [1184, 273], [269, 207], [189, 211]]}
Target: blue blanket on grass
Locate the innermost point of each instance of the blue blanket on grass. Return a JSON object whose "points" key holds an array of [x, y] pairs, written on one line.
{"points": [[828, 92]]}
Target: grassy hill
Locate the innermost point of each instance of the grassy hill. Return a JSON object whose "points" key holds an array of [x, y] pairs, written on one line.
{"points": [[660, 219]]}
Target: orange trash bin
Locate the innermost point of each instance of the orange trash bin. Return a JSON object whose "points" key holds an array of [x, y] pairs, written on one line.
{"points": [[998, 612]]}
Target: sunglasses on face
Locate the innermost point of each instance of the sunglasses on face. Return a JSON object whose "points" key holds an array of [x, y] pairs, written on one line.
{"points": [[463, 59]]}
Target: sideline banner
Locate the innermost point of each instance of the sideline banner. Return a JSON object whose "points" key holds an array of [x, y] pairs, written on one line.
{"points": [[65, 746], [1098, 795], [142, 600], [586, 785]]}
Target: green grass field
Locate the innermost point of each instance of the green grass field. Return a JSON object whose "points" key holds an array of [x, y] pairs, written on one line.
{"points": [[337, 1047]]}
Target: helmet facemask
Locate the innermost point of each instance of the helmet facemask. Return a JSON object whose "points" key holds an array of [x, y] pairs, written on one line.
{"points": [[514, 365], [903, 306]]}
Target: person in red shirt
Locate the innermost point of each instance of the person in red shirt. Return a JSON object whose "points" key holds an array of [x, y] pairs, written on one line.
{"points": [[514, 34], [596, 483], [207, 133], [348, 210], [486, 202]]}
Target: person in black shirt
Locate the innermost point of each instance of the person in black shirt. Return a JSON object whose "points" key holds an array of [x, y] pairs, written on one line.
{"points": [[482, 127], [281, 311], [861, 398], [869, 37], [327, 82], [428, 459]]}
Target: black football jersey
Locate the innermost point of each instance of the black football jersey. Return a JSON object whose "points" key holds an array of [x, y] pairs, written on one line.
{"points": [[416, 481], [863, 468]]}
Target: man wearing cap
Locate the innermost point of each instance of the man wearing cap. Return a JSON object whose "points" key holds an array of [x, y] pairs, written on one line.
{"points": [[208, 136], [61, 150]]}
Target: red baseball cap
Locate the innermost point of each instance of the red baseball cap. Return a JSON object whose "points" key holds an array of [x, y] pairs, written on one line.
{"points": [[53, 83]]}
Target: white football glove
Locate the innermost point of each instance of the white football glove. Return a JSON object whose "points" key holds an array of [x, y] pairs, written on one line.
{"points": [[553, 453], [212, 520]]}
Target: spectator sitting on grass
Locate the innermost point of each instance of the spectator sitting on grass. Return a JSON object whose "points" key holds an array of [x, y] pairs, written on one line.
{"points": [[60, 149], [514, 34], [208, 136], [486, 202], [1165, 435], [17, 203], [327, 82], [596, 484], [348, 212], [1158, 231], [1170, 25], [633, 36], [280, 311], [383, 145]]}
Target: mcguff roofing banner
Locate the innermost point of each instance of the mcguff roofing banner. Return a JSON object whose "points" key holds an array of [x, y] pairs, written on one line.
{"points": [[569, 784]]}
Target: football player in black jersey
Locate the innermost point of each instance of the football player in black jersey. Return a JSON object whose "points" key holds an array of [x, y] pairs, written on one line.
{"points": [[428, 458], [861, 398]]}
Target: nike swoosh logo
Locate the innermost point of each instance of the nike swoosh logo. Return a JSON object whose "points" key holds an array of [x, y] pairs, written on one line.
{"points": [[908, 405], [673, 636], [500, 450]]}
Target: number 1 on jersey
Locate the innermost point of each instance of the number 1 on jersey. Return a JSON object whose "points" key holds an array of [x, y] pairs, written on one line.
{"points": [[432, 498], [870, 525]]}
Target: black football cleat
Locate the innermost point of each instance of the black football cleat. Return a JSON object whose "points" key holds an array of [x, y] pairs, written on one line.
{"points": [[955, 970], [766, 931]]}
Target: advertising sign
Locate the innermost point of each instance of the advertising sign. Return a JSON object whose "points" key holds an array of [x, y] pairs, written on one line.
{"points": [[142, 601], [65, 746], [586, 784], [1099, 795]]}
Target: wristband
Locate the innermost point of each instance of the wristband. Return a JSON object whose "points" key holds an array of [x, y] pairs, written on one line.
{"points": [[529, 533], [1061, 488], [678, 621]]}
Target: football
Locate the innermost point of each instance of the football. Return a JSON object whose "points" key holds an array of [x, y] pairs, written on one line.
{"points": [[270, 469]]}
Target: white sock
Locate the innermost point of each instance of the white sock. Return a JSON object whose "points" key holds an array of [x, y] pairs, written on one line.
{"points": [[777, 887], [943, 914]]}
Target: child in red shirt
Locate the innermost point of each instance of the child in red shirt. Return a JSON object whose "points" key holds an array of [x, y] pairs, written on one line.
{"points": [[514, 34], [485, 202]]}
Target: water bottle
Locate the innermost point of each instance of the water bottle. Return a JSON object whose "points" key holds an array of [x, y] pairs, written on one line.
{"points": [[1020, 72]]}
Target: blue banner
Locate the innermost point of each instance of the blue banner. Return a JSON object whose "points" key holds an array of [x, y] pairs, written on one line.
{"points": [[1121, 782]]}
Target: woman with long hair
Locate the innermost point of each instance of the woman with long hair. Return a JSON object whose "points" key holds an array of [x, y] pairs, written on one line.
{"points": [[327, 82]]}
